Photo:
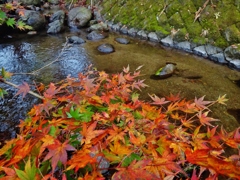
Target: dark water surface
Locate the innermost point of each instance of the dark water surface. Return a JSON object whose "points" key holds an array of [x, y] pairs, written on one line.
{"points": [[195, 76]]}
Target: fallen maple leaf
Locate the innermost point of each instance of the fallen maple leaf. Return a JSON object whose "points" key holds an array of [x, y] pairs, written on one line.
{"points": [[200, 103], [58, 152], [89, 133], [222, 99], [157, 100], [50, 92], [204, 119], [23, 89]]}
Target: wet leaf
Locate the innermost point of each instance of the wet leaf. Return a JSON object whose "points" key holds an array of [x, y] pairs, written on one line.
{"points": [[23, 89]]}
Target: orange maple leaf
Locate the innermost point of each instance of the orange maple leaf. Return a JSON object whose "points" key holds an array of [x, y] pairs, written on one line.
{"points": [[204, 158], [89, 133]]}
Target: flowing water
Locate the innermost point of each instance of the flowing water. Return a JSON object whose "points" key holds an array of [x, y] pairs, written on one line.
{"points": [[194, 77]]}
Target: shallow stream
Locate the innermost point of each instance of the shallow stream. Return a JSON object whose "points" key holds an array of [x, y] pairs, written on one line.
{"points": [[194, 77]]}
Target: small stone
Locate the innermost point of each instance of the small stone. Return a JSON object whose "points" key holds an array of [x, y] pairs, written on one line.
{"points": [[122, 40], [32, 32], [76, 40], [167, 41], [185, 46], [94, 35], [106, 48], [201, 51], [142, 35], [153, 37]]}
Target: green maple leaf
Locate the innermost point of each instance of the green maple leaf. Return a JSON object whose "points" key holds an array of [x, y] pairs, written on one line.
{"points": [[2, 92], [5, 74], [3, 16], [22, 26], [11, 22], [74, 113]]}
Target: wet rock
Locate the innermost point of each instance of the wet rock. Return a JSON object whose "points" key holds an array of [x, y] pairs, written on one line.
{"points": [[235, 63], [97, 15], [55, 27], [201, 51], [132, 32], [53, 1], [212, 49], [142, 35], [116, 27], [106, 48], [232, 52], [167, 41], [32, 32], [30, 2], [103, 163], [185, 46], [57, 20], [110, 24], [124, 30], [122, 40], [165, 72], [58, 15], [219, 58], [99, 27], [76, 40], [95, 35], [152, 36], [79, 17], [33, 18]]}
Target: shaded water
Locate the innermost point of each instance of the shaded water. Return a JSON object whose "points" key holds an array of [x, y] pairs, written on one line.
{"points": [[26, 55]]}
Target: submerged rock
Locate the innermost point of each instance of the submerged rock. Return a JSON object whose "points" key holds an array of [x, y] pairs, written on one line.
{"points": [[106, 48], [95, 35], [76, 40], [122, 40]]}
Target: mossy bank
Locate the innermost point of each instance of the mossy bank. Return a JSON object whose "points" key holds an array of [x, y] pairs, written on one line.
{"points": [[200, 22]]}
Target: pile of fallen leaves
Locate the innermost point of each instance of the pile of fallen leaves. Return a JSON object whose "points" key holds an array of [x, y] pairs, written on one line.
{"points": [[101, 115]]}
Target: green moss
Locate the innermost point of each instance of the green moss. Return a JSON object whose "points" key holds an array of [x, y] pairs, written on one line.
{"points": [[176, 21], [221, 42], [180, 14], [180, 35], [199, 40], [232, 34], [172, 8]]}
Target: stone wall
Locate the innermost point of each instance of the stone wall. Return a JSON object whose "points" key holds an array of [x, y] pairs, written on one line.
{"points": [[209, 28]]}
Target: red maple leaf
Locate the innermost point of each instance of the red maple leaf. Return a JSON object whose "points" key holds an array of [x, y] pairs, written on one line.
{"points": [[200, 103], [58, 152], [51, 91], [23, 89]]}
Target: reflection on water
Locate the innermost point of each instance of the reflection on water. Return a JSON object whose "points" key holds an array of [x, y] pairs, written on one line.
{"points": [[28, 55]]}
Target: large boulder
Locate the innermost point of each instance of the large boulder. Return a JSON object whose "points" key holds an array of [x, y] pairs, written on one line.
{"points": [[34, 19], [79, 17]]}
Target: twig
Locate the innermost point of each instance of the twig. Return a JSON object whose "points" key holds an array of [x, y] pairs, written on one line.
{"points": [[30, 92], [65, 45], [199, 11]]}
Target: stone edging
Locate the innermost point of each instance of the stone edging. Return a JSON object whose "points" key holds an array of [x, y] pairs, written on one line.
{"points": [[229, 56]]}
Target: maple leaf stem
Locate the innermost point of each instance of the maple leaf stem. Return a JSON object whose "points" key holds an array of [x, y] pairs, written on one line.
{"points": [[15, 86], [214, 102]]}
